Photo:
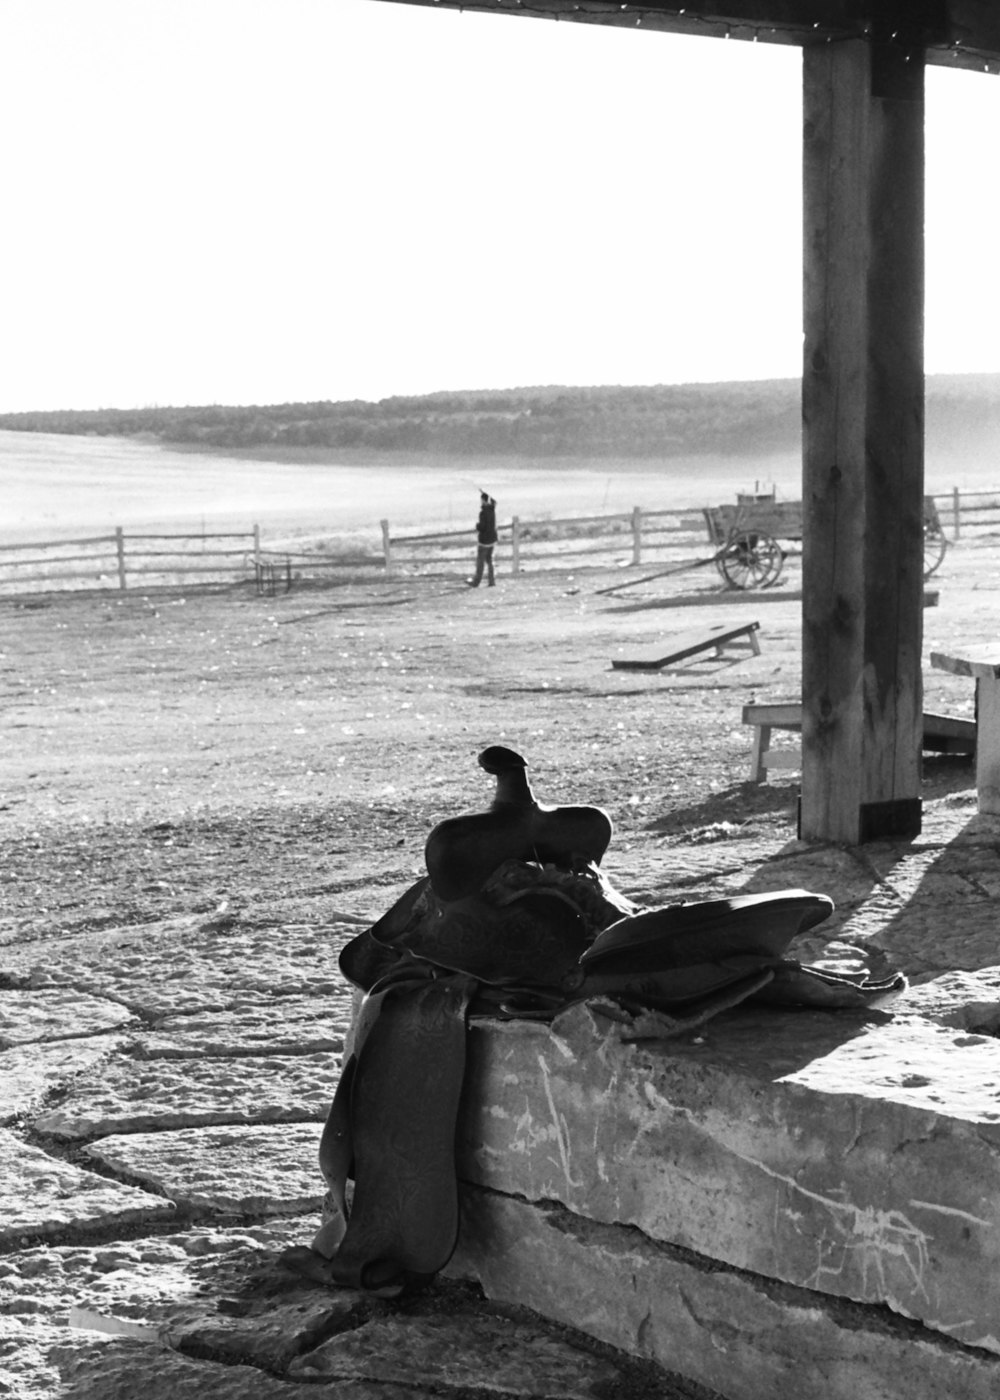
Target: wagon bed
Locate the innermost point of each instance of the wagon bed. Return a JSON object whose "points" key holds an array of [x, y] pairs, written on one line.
{"points": [[748, 538]]}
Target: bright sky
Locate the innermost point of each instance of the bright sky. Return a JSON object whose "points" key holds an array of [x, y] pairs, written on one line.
{"points": [[238, 201]]}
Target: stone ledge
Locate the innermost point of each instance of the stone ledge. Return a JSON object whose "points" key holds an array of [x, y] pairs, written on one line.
{"points": [[730, 1331], [852, 1155]]}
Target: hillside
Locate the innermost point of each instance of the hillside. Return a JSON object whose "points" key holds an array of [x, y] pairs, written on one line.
{"points": [[655, 421]]}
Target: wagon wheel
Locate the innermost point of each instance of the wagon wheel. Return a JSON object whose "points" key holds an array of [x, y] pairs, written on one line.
{"points": [[935, 545], [750, 560]]}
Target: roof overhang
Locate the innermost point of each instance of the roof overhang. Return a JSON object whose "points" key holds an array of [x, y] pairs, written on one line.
{"points": [[952, 33]]}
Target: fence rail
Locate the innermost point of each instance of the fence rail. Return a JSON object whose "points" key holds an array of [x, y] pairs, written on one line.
{"points": [[118, 560], [618, 539], [622, 539], [967, 513]]}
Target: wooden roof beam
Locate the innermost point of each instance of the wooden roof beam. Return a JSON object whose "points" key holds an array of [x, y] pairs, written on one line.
{"points": [[951, 33]]}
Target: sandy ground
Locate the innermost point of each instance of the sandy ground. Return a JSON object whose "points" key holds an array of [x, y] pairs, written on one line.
{"points": [[205, 795]]}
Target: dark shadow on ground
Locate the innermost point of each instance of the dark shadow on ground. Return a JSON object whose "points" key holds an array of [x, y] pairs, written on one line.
{"points": [[698, 666], [723, 597], [945, 774], [737, 804], [925, 906], [346, 607]]}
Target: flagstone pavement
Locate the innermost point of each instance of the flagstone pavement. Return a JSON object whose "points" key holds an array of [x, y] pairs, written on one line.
{"points": [[162, 1091]]}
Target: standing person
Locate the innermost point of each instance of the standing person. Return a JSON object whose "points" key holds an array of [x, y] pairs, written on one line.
{"points": [[486, 534]]}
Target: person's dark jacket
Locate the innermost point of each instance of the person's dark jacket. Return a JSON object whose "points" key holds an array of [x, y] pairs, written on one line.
{"points": [[486, 525]]}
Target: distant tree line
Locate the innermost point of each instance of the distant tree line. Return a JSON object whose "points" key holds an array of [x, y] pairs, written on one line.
{"points": [[656, 421]]}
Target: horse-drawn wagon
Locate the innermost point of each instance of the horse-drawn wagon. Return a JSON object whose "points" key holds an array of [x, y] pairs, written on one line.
{"points": [[750, 537]]}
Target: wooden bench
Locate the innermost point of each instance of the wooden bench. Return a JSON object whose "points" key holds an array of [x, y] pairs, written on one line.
{"points": [[982, 664], [942, 734], [714, 639]]}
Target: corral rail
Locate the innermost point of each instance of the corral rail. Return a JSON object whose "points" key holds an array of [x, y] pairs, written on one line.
{"points": [[750, 543]]}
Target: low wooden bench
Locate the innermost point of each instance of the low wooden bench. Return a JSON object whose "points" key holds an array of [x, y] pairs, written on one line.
{"points": [[714, 639], [942, 734], [982, 664]]}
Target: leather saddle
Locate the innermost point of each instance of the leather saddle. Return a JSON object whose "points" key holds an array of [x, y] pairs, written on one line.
{"points": [[515, 919]]}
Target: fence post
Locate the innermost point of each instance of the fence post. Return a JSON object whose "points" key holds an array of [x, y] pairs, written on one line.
{"points": [[515, 545], [956, 508], [257, 561], [386, 545], [120, 547], [636, 534]]}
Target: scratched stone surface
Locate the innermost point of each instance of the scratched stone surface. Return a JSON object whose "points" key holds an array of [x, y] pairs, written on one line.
{"points": [[741, 1334], [851, 1154]]}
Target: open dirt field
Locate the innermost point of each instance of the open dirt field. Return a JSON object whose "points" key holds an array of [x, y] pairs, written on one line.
{"points": [[166, 753], [205, 795]]}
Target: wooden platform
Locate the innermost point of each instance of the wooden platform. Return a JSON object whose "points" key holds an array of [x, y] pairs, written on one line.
{"points": [[942, 734], [712, 639]]}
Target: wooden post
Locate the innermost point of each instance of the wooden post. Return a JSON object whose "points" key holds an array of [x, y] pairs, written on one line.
{"points": [[956, 508], [120, 547], [862, 402], [515, 545], [636, 534], [386, 545], [257, 561]]}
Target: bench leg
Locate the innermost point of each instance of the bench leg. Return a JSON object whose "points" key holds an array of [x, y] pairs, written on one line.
{"points": [[761, 744], [988, 745]]}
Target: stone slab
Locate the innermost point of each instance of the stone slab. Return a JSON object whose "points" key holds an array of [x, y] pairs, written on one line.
{"points": [[103, 1315], [897, 897], [41, 1195], [175, 1279], [130, 1096], [121, 1369], [25, 1347], [29, 1073], [854, 1155], [923, 938], [180, 965], [56, 1014], [968, 1001], [489, 1353], [192, 1284], [730, 1331], [237, 1171], [291, 1025]]}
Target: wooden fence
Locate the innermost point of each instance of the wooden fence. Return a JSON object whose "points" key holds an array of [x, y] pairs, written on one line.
{"points": [[570, 541], [120, 561], [966, 514]]}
